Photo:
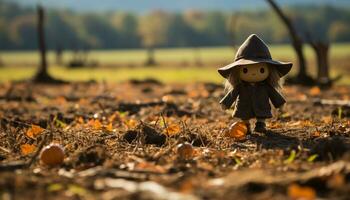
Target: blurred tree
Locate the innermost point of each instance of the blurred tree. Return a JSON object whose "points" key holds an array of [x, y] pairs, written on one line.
{"points": [[215, 27], [61, 30], [232, 26], [77, 30], [22, 31], [126, 25], [297, 43], [153, 31], [102, 34], [339, 31], [42, 75]]}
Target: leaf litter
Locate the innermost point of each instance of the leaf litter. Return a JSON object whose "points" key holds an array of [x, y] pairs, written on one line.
{"points": [[121, 141]]}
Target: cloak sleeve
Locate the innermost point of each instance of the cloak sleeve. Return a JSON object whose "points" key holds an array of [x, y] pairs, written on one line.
{"points": [[275, 97], [229, 98]]}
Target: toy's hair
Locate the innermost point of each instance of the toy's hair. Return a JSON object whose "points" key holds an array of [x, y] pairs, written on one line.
{"points": [[274, 79]]}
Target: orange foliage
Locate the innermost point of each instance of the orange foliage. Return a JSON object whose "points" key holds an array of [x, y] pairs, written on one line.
{"points": [[34, 131], [131, 123], [173, 129], [299, 192], [147, 166], [27, 149], [95, 123], [109, 127], [237, 131], [315, 91]]}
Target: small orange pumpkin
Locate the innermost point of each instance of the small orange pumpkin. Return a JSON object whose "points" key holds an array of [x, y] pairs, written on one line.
{"points": [[52, 155], [237, 130]]}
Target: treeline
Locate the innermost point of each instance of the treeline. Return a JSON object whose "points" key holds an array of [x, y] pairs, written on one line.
{"points": [[66, 29]]}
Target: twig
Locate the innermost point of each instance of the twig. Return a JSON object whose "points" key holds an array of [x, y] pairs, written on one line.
{"points": [[5, 150], [166, 127], [330, 102], [24, 164]]}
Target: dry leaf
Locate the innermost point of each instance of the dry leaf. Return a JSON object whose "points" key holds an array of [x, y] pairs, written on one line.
{"points": [[237, 131], [316, 134], [147, 166], [113, 117], [27, 149], [275, 125], [109, 127], [304, 123], [173, 129], [315, 91], [131, 123], [60, 100], [187, 186], [168, 98], [299, 192], [336, 181], [83, 101], [80, 120], [95, 123], [327, 119], [34, 131]]}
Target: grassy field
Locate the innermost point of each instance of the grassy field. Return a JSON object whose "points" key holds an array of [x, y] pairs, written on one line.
{"points": [[176, 65]]}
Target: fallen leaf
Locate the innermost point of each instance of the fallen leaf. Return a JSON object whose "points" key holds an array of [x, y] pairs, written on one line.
{"points": [[237, 131], [95, 123], [60, 100], [316, 134], [275, 125], [168, 98], [109, 127], [187, 186], [150, 167], [80, 120], [113, 117], [327, 119], [27, 149], [301, 192], [173, 129], [34, 131], [336, 181], [315, 91], [131, 123]]}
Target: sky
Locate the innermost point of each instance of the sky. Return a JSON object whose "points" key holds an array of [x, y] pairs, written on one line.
{"points": [[175, 5]]}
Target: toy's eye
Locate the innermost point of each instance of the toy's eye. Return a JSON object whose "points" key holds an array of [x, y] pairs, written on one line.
{"points": [[262, 70], [245, 70]]}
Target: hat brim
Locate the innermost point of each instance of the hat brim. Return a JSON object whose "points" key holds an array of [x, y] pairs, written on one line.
{"points": [[282, 67]]}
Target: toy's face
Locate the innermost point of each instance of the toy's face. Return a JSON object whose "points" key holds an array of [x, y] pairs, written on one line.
{"points": [[254, 73]]}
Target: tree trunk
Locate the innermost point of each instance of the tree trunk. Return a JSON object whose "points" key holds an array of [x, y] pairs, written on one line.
{"points": [[42, 75], [297, 43], [322, 57], [150, 57]]}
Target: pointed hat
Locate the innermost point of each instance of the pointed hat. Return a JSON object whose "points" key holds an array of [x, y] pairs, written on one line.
{"points": [[253, 51]]}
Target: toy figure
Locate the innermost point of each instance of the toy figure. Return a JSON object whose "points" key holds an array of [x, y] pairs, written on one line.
{"points": [[253, 80]]}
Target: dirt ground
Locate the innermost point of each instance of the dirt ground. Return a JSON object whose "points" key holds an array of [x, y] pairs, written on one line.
{"points": [[122, 141]]}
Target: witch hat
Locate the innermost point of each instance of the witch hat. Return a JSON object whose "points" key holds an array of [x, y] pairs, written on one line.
{"points": [[253, 51]]}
